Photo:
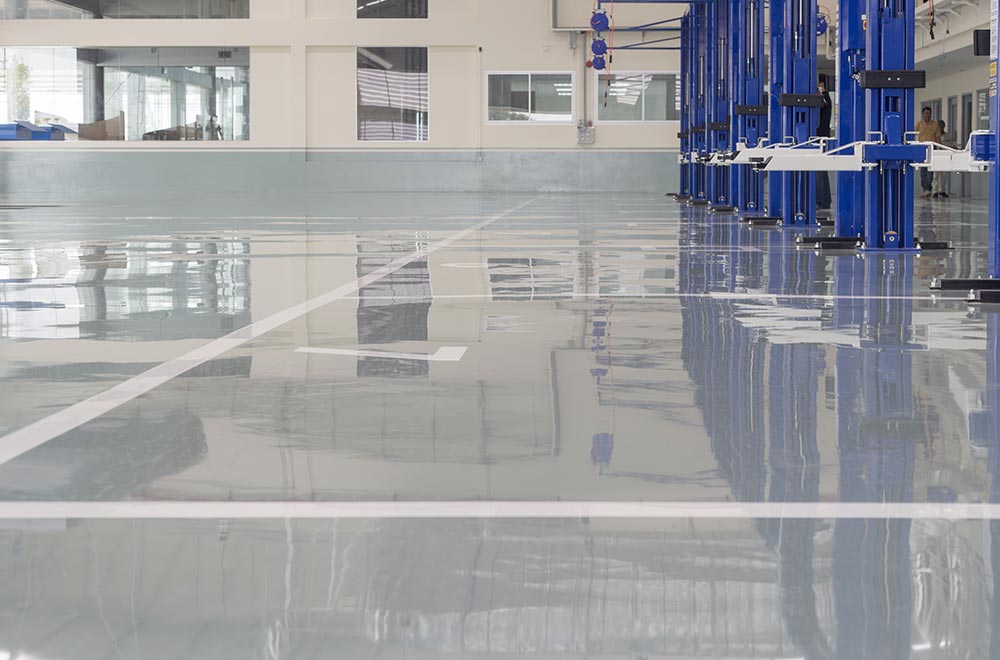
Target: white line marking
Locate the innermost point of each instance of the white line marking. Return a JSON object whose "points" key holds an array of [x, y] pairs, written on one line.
{"points": [[722, 295], [443, 354], [25, 439], [496, 510]]}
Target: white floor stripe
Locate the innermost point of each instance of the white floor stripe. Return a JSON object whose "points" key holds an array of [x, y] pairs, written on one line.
{"points": [[25, 439], [721, 295], [443, 354], [494, 510]]}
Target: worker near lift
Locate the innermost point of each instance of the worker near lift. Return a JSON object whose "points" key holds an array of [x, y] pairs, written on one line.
{"points": [[823, 201], [928, 130]]}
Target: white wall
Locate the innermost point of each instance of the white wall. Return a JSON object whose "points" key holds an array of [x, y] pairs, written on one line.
{"points": [[302, 67]]}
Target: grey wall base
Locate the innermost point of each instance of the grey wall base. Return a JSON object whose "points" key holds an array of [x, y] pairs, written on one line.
{"points": [[87, 174]]}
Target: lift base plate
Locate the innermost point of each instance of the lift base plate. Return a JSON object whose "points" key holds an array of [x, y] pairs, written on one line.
{"points": [[828, 242], [722, 209], [965, 284], [762, 220], [984, 296], [935, 245], [698, 202]]}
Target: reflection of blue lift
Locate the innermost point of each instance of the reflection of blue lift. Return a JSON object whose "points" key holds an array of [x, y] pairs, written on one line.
{"points": [[23, 130]]}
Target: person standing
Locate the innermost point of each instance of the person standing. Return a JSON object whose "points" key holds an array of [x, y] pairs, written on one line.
{"points": [[823, 200], [928, 130], [941, 179]]}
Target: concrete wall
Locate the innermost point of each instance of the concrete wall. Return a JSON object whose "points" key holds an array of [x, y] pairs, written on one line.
{"points": [[302, 71]]}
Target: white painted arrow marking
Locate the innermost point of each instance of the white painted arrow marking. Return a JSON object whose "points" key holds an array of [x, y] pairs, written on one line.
{"points": [[443, 354]]}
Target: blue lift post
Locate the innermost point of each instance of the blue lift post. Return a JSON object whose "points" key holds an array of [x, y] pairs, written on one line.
{"points": [[719, 124], [776, 87], [850, 210], [747, 108], [699, 144], [684, 192], [889, 81], [799, 105]]}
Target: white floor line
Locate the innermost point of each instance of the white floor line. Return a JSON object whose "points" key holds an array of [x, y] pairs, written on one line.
{"points": [[25, 439], [721, 295], [493, 510], [443, 354]]}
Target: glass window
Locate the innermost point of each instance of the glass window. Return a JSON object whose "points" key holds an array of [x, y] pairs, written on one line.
{"points": [[127, 93], [638, 97], [392, 8], [81, 9], [392, 94], [537, 97]]}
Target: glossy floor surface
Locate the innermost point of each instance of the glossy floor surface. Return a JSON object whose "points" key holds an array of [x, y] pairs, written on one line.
{"points": [[420, 354]]}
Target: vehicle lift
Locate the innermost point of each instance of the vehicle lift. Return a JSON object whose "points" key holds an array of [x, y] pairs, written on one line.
{"points": [[877, 153], [986, 290]]}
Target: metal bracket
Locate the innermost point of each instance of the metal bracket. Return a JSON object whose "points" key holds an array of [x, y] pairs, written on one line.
{"points": [[801, 100], [906, 79]]}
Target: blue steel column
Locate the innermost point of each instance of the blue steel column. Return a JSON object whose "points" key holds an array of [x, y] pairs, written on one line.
{"points": [[711, 32], [850, 115], [799, 53], [889, 112], [684, 191], [698, 106], [718, 99], [747, 91], [776, 87]]}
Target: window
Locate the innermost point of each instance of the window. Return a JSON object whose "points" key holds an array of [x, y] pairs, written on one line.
{"points": [[127, 93], [392, 94], [392, 8], [82, 9], [530, 97], [638, 97]]}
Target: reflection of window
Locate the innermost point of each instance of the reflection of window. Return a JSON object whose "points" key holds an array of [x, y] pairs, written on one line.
{"points": [[77, 9], [638, 97], [533, 97], [392, 8], [392, 94], [129, 93]]}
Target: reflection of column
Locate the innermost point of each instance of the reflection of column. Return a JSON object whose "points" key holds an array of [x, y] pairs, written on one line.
{"points": [[178, 103], [993, 401], [212, 101], [794, 459], [875, 446], [394, 309], [136, 113]]}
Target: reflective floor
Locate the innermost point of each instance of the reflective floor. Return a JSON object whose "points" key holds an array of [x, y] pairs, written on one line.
{"points": [[475, 349]]}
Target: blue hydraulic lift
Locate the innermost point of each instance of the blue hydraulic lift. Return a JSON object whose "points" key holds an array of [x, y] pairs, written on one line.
{"points": [[795, 103], [747, 108], [987, 290], [719, 122], [850, 209]]}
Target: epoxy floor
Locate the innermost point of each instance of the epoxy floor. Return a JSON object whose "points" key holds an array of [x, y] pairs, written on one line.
{"points": [[385, 427]]}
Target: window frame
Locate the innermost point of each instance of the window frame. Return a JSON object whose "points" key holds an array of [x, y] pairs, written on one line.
{"points": [[357, 98], [632, 122], [357, 17], [529, 122]]}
